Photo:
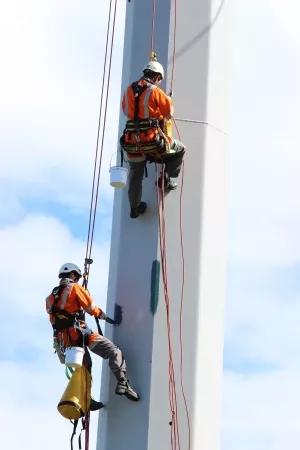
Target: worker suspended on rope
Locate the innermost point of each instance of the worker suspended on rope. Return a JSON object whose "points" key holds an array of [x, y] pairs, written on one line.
{"points": [[148, 134], [66, 306]]}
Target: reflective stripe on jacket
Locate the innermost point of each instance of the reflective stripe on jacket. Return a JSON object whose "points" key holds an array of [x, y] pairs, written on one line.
{"points": [[73, 298], [153, 103]]}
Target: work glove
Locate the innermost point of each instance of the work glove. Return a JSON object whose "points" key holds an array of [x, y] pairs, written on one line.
{"points": [[107, 319], [111, 321], [58, 350], [103, 316]]}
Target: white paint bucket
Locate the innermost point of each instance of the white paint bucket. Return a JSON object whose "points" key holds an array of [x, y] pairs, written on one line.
{"points": [[118, 176], [74, 356]]}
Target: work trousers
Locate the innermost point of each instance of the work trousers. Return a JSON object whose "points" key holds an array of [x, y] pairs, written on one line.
{"points": [[172, 162], [103, 347]]}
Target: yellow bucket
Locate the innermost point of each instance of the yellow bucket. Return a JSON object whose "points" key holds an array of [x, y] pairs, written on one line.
{"points": [[76, 399]]}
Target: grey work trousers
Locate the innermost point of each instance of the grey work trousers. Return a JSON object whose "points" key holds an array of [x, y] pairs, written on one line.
{"points": [[172, 162], [103, 347]]}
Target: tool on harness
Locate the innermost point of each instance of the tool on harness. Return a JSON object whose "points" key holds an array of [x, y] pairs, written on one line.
{"points": [[143, 136]]}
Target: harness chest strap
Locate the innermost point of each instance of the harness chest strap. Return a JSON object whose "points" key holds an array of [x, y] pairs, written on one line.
{"points": [[138, 90]]}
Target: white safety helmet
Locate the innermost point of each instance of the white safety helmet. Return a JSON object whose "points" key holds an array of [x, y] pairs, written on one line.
{"points": [[67, 268], [155, 67]]}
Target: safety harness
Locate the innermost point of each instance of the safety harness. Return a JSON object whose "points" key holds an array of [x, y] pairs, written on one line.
{"points": [[143, 136], [63, 320]]}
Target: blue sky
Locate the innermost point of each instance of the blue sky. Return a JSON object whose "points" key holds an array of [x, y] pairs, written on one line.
{"points": [[49, 88]]}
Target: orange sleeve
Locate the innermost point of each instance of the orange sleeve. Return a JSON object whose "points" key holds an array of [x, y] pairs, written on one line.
{"points": [[128, 103], [49, 303], [164, 103], [86, 301]]}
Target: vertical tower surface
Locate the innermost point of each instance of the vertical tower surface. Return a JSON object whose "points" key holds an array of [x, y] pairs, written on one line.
{"points": [[200, 94]]}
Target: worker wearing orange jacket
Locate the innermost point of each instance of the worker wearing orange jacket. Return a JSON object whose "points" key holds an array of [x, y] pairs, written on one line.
{"points": [[66, 306], [153, 103]]}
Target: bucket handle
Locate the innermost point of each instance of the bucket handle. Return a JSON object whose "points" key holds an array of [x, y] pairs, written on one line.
{"points": [[122, 158], [114, 153]]}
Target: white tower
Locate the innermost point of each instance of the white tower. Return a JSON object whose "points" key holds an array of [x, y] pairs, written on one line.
{"points": [[199, 95]]}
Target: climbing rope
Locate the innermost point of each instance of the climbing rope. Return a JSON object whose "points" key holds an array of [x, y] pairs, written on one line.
{"points": [[110, 31], [102, 118], [181, 244], [182, 300], [175, 435], [175, 438], [174, 45], [86, 419], [152, 51]]}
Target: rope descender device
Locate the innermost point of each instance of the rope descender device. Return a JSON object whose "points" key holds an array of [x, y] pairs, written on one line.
{"points": [[153, 56], [87, 263]]}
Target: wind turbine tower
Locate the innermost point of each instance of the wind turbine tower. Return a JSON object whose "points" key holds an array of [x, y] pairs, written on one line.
{"points": [[199, 30]]}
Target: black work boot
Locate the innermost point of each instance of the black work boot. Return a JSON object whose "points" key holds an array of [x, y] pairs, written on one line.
{"points": [[123, 388], [95, 406], [135, 212]]}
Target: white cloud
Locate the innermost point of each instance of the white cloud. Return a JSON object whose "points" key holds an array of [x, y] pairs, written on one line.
{"points": [[32, 252], [29, 397], [262, 329], [287, 16], [33, 380], [264, 158], [261, 412], [51, 59], [50, 91]]}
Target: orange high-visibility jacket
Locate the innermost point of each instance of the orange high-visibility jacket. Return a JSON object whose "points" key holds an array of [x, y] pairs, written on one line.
{"points": [[153, 103], [73, 298]]}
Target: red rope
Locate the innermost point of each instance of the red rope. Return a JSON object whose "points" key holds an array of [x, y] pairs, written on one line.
{"points": [[181, 313], [182, 300], [181, 246], [175, 438]]}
